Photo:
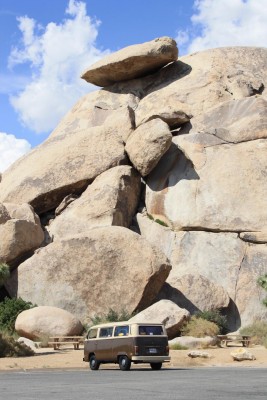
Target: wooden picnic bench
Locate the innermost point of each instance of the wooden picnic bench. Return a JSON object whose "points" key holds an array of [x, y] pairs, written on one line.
{"points": [[56, 341], [224, 340]]}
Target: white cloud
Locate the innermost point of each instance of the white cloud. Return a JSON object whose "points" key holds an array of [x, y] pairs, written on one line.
{"points": [[11, 149], [57, 54], [226, 23]]}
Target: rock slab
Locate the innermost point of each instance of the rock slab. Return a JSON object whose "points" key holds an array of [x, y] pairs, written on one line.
{"points": [[132, 62]]}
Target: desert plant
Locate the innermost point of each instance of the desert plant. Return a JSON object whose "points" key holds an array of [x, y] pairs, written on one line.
{"points": [[112, 316], [257, 331], [216, 317], [199, 327], [10, 348], [4, 273], [9, 310], [262, 281], [160, 222], [178, 346]]}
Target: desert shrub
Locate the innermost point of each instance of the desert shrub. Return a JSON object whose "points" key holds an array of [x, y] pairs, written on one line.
{"points": [[9, 310], [216, 317], [199, 327], [178, 346], [112, 316], [10, 348], [258, 331], [159, 221], [4, 273], [262, 281]]}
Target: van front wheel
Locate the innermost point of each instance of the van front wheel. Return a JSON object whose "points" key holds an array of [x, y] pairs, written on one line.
{"points": [[124, 363], [93, 363], [156, 366]]}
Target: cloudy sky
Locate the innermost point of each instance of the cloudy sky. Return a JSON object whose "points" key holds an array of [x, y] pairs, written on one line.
{"points": [[44, 50]]}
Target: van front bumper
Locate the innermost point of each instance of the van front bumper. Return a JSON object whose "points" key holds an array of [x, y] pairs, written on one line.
{"points": [[150, 359]]}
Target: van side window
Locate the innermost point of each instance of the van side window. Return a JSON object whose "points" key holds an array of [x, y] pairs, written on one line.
{"points": [[122, 330], [106, 332], [92, 334], [150, 330]]}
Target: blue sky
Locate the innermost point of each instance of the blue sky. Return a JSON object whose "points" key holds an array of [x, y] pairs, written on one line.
{"points": [[44, 46]]}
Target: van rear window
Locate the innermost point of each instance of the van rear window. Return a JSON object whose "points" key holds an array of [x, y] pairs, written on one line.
{"points": [[150, 330]]}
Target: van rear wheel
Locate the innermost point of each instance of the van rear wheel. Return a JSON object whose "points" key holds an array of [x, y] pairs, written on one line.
{"points": [[156, 366], [93, 363], [124, 363]]}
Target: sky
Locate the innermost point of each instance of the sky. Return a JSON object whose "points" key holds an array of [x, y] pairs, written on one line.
{"points": [[45, 45]]}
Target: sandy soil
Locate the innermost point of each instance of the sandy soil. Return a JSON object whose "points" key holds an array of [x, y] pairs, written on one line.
{"points": [[68, 358]]}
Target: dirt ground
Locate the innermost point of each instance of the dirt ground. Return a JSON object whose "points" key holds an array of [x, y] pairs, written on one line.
{"points": [[66, 357]]}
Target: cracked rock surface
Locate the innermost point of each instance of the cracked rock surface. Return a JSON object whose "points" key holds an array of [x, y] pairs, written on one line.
{"points": [[177, 152]]}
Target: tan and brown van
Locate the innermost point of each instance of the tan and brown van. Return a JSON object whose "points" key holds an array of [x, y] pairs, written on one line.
{"points": [[125, 343]]}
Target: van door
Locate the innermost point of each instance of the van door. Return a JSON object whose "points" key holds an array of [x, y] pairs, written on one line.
{"points": [[104, 344], [123, 342]]}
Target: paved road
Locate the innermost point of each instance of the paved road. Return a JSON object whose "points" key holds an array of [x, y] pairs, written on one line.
{"points": [[145, 384]]}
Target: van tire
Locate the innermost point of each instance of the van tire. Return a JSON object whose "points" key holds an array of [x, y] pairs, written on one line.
{"points": [[124, 363], [156, 366], [93, 363]]}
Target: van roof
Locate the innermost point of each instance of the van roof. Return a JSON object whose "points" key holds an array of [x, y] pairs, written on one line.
{"points": [[109, 324]]}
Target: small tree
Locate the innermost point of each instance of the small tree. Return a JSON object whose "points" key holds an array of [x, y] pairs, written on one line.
{"points": [[9, 310], [4, 273], [262, 281]]}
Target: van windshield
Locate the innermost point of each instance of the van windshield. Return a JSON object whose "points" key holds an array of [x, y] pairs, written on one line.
{"points": [[150, 330]]}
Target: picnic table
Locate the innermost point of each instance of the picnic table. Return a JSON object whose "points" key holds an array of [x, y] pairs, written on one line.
{"points": [[56, 341], [224, 340]]}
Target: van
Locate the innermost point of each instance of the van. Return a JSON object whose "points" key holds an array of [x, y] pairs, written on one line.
{"points": [[125, 343]]}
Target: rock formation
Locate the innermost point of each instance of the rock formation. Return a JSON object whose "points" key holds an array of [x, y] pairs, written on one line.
{"points": [[174, 150], [42, 322]]}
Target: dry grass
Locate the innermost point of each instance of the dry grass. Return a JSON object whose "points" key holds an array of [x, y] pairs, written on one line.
{"points": [[199, 327], [10, 348]]}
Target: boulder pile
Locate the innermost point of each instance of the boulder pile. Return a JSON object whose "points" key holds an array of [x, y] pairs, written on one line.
{"points": [[150, 189]]}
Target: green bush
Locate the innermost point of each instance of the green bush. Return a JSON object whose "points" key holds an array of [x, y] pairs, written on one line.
{"points": [[10, 348], [262, 281], [178, 346], [159, 221], [216, 317], [112, 316], [258, 331], [4, 273], [9, 310], [199, 327]]}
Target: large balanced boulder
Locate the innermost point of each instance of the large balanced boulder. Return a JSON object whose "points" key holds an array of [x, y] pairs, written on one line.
{"points": [[111, 199], [110, 267], [132, 62], [42, 322], [165, 312]]}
